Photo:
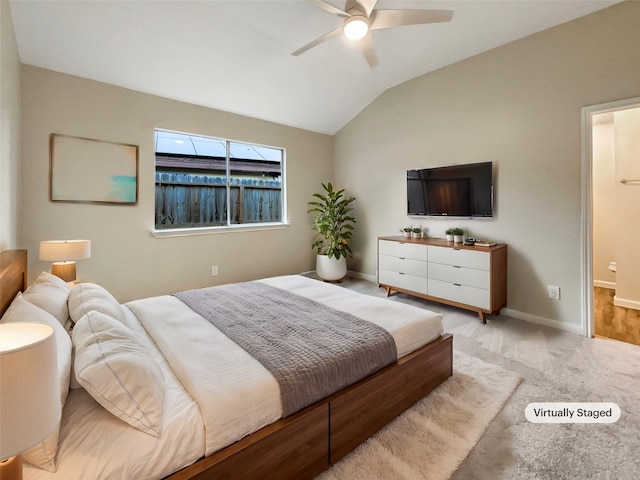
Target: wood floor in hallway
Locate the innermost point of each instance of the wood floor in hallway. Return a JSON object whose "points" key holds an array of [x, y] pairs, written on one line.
{"points": [[615, 322]]}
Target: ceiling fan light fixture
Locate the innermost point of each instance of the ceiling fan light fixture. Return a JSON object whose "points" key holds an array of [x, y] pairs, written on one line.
{"points": [[356, 27]]}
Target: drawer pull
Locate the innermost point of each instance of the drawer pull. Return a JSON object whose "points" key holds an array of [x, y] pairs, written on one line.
{"points": [[400, 273], [401, 258], [457, 284], [456, 249], [457, 266]]}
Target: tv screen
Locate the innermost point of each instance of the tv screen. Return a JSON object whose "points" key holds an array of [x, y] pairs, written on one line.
{"points": [[453, 191]]}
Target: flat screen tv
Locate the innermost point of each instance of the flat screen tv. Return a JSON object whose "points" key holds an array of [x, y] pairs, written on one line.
{"points": [[452, 191]]}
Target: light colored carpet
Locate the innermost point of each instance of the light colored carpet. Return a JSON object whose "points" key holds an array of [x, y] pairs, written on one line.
{"points": [[556, 366], [431, 439]]}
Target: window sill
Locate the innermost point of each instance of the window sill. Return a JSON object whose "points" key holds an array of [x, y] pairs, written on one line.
{"points": [[189, 232]]}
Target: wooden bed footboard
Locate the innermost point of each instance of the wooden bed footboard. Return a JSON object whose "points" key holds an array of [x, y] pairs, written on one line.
{"points": [[295, 448], [361, 410], [303, 445]]}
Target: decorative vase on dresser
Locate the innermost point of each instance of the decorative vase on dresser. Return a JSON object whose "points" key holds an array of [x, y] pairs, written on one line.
{"points": [[469, 277]]}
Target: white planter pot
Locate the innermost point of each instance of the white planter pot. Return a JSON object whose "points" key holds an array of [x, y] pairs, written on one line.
{"points": [[449, 238], [458, 238], [331, 269], [416, 235], [406, 234]]}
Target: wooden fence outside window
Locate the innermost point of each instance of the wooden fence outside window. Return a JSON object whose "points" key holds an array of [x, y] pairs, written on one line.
{"points": [[186, 200]]}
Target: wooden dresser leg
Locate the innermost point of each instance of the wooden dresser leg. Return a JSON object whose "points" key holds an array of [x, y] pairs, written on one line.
{"points": [[386, 289], [483, 319]]}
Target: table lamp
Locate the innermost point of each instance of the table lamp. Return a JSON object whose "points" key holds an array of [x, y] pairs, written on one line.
{"points": [[63, 254], [29, 392]]}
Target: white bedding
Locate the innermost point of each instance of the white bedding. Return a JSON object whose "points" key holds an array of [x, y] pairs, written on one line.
{"points": [[91, 437], [410, 327], [236, 394], [218, 394]]}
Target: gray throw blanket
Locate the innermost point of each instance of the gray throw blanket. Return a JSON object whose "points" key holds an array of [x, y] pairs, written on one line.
{"points": [[312, 350]]}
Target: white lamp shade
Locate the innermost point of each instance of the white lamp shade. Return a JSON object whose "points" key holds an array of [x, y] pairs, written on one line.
{"points": [[29, 391], [64, 250]]}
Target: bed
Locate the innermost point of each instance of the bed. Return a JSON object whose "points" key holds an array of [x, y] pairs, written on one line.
{"points": [[226, 422]]}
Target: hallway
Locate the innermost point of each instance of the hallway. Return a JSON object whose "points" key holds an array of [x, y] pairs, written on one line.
{"points": [[615, 322]]}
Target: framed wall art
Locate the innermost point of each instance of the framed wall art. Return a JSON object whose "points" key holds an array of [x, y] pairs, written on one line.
{"points": [[86, 170]]}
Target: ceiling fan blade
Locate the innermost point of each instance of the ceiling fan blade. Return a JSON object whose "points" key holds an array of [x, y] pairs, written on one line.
{"points": [[397, 18], [365, 6], [318, 41], [327, 7], [369, 51]]}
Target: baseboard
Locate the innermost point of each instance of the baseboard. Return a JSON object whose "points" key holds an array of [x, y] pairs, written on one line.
{"points": [[603, 284], [527, 317], [623, 302], [362, 276]]}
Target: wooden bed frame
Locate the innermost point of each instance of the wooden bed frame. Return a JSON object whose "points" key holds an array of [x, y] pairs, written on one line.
{"points": [[13, 276], [305, 444]]}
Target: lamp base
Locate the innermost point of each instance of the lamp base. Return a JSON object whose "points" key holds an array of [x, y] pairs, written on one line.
{"points": [[11, 468], [65, 270]]}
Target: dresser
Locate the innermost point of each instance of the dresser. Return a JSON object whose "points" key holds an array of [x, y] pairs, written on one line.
{"points": [[470, 277]]}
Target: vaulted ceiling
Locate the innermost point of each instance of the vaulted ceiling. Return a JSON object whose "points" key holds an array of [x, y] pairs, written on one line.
{"points": [[236, 55]]}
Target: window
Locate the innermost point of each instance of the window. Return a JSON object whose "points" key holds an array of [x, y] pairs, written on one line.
{"points": [[198, 178]]}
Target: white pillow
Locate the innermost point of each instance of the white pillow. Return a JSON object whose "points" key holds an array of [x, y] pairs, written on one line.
{"points": [[50, 293], [43, 455], [117, 371], [87, 297], [73, 382]]}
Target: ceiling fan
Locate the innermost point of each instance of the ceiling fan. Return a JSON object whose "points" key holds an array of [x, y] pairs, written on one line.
{"points": [[361, 18]]}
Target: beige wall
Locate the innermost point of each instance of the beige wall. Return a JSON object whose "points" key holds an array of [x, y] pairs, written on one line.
{"points": [[126, 259], [518, 106], [9, 131]]}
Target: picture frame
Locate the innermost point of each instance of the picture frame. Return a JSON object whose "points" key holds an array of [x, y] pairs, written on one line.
{"points": [[86, 170]]}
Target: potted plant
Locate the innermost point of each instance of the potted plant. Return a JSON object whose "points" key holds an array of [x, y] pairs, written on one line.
{"points": [[334, 225], [458, 235], [416, 232], [450, 233], [406, 231]]}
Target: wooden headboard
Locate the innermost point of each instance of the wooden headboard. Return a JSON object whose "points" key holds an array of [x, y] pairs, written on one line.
{"points": [[13, 276]]}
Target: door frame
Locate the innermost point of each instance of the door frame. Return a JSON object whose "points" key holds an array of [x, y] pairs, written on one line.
{"points": [[586, 249]]}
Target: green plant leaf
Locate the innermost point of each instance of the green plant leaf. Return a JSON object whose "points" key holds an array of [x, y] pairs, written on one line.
{"points": [[332, 222]]}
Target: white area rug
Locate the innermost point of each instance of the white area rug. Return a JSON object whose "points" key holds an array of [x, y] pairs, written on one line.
{"points": [[431, 439]]}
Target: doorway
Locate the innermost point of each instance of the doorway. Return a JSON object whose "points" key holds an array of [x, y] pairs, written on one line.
{"points": [[604, 312]]}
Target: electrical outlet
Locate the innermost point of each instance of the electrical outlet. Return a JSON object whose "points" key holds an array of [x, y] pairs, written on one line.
{"points": [[554, 292], [214, 270]]}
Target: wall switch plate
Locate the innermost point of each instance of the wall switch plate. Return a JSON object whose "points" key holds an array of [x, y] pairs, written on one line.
{"points": [[554, 292], [214, 270]]}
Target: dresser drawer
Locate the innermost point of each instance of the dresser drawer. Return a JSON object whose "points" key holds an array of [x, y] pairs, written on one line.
{"points": [[404, 250], [471, 277], [403, 280], [459, 257], [403, 265], [476, 297]]}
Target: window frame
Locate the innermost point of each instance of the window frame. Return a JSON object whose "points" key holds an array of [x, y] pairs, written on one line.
{"points": [[229, 227]]}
